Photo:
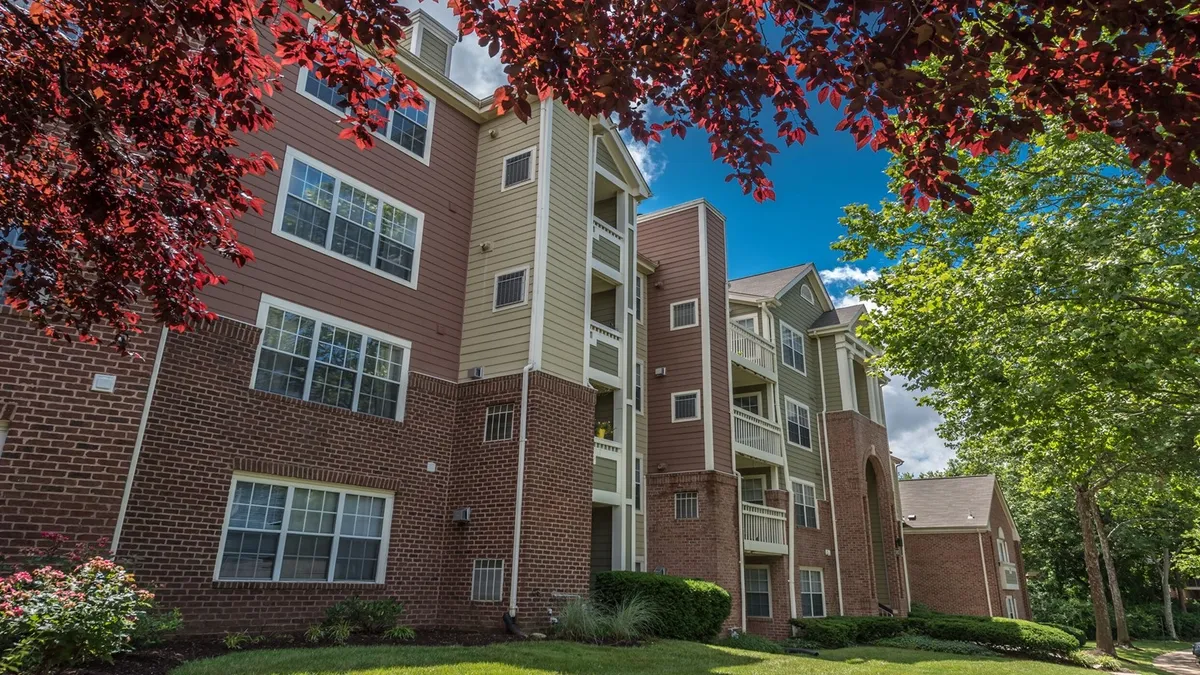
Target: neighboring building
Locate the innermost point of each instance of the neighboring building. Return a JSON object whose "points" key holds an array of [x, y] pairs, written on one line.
{"points": [[964, 551]]}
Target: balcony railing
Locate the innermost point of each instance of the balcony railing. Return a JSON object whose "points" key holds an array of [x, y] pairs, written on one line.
{"points": [[608, 249], [764, 529], [1009, 579], [752, 351], [757, 436], [606, 448]]}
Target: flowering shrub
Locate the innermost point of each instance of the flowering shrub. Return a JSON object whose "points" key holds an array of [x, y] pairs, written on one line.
{"points": [[58, 551], [51, 618]]}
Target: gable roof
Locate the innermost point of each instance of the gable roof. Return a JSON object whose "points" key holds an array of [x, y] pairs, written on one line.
{"points": [[947, 502], [839, 317], [769, 284]]}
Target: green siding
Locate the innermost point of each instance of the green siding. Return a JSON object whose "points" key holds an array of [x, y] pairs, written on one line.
{"points": [[601, 539], [604, 475], [604, 308], [879, 551], [799, 313], [640, 524], [862, 388], [605, 159], [604, 358], [606, 210], [833, 382], [607, 252]]}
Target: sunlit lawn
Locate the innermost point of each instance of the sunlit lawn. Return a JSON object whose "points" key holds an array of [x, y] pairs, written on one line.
{"points": [[1141, 657]]}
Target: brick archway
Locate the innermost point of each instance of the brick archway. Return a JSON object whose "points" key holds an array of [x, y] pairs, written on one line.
{"points": [[877, 531]]}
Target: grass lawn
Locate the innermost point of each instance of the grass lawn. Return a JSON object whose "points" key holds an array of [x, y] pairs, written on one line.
{"points": [[1140, 658], [529, 658]]}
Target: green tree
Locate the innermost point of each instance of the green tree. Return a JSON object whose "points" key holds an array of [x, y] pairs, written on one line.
{"points": [[1056, 327]]}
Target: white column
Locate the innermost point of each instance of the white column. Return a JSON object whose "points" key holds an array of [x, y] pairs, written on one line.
{"points": [[845, 364]]}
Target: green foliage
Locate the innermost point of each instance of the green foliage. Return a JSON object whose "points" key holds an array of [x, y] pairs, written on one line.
{"points": [[752, 643], [241, 640], [154, 628], [921, 611], [400, 633], [629, 620], [1079, 635], [831, 633], [338, 632], [581, 620], [372, 617], [51, 618], [1187, 626], [1094, 660], [314, 634], [1010, 635], [928, 644], [691, 609]]}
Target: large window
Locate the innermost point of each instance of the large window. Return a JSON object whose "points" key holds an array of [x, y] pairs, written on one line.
{"points": [[312, 356], [799, 424], [812, 593], [791, 342], [1002, 549], [331, 212], [1010, 607], [758, 591], [754, 490], [805, 497], [487, 581], [406, 128], [639, 292], [278, 530], [684, 315], [685, 406]]}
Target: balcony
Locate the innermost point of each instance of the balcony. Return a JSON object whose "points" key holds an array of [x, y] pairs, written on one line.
{"points": [[757, 437], [605, 448], [752, 352], [608, 250], [764, 529], [1009, 579], [604, 362]]}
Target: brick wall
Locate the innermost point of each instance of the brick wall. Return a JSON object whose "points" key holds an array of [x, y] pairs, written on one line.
{"points": [[945, 573], [777, 627], [705, 548], [810, 549]]}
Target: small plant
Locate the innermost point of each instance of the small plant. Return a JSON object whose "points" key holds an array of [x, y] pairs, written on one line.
{"points": [[581, 620], [373, 617], [1096, 660], [339, 632], [153, 629], [604, 429], [631, 619], [752, 643], [314, 634], [400, 633], [236, 641]]}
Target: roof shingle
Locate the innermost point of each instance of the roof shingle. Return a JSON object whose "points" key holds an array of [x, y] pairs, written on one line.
{"points": [[767, 284], [961, 501]]}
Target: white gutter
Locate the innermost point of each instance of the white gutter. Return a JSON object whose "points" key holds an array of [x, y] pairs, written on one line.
{"points": [[984, 566], [137, 443], [837, 555], [516, 550]]}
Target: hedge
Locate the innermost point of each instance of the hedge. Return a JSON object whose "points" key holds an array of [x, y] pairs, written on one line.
{"points": [[1079, 635], [689, 609], [1011, 635]]}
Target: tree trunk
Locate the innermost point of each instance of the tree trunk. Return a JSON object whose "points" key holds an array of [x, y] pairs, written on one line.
{"points": [[1091, 560], [1168, 617], [1114, 586]]}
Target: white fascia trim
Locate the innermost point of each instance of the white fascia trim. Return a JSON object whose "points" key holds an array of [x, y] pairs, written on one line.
{"points": [[587, 277], [606, 497], [706, 322], [671, 314], [533, 169], [290, 156], [685, 206], [524, 294], [537, 321]]}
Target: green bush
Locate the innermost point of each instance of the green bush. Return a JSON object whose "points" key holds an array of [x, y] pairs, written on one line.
{"points": [[153, 629], [690, 609], [1187, 626], [584, 620], [832, 633], [373, 617], [869, 629], [1011, 635], [752, 643], [928, 644], [1145, 622], [1094, 660], [1079, 635], [920, 611]]}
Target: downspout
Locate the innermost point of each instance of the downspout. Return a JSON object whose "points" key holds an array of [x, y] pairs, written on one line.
{"points": [[837, 554], [137, 443], [987, 589], [516, 549]]}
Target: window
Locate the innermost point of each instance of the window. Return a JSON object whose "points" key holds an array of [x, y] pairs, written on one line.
{"points": [[518, 169], [812, 593], [758, 591], [754, 490], [685, 406], [687, 506], [749, 322], [487, 581], [311, 356], [3, 434], [510, 289], [799, 429], [1002, 548], [639, 386], [792, 343], [12, 241], [683, 315], [330, 212], [498, 423], [751, 403], [805, 498], [1010, 607], [637, 483], [807, 294], [283, 531], [638, 565], [639, 290], [406, 128]]}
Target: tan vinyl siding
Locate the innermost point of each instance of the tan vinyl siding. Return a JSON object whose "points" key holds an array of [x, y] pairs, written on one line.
{"points": [[605, 159], [604, 357], [833, 382], [434, 51], [604, 250], [640, 524], [604, 475], [507, 222], [718, 312], [430, 314], [565, 326], [799, 313], [604, 308], [606, 209]]}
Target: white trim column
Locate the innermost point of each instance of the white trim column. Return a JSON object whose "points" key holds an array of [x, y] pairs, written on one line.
{"points": [[845, 365]]}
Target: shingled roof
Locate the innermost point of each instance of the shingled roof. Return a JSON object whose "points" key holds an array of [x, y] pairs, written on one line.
{"points": [[961, 501], [768, 284], [839, 316]]}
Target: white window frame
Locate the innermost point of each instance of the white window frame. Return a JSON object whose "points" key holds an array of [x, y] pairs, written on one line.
{"points": [[382, 134], [755, 394], [639, 387], [340, 177], [762, 482], [803, 370], [816, 502], [532, 150], [475, 568], [291, 484], [695, 497], [639, 482], [639, 297], [824, 596], [1002, 551], [266, 302], [770, 597], [754, 317], [812, 425], [695, 313], [1010, 607], [676, 395], [807, 294], [525, 291]]}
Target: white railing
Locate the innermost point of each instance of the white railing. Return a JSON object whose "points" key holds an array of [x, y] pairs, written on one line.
{"points": [[764, 525], [604, 334], [601, 227], [607, 448], [757, 433], [1009, 579], [752, 350]]}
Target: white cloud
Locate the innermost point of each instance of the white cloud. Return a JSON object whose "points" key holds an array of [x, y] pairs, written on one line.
{"points": [[847, 274], [912, 430], [470, 66], [648, 158]]}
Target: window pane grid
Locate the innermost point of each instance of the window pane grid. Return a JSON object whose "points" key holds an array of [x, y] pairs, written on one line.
{"points": [[747, 402], [686, 406], [793, 348], [498, 423], [683, 315], [638, 385], [518, 169], [758, 592], [487, 581], [799, 431], [510, 289], [805, 505], [812, 594], [687, 506], [407, 127]]}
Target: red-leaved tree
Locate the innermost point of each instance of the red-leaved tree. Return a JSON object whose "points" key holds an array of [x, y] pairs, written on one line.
{"points": [[118, 118]]}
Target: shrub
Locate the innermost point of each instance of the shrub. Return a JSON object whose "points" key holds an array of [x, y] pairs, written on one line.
{"points": [[1187, 625], [832, 633], [314, 634], [1013, 635], [869, 629], [400, 633], [153, 629], [1145, 622], [633, 618], [928, 644], [752, 643], [691, 609], [580, 620], [584, 620], [921, 611], [53, 618], [1079, 635], [372, 617], [1090, 658]]}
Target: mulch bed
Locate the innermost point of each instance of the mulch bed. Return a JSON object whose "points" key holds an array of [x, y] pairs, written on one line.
{"points": [[160, 660]]}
